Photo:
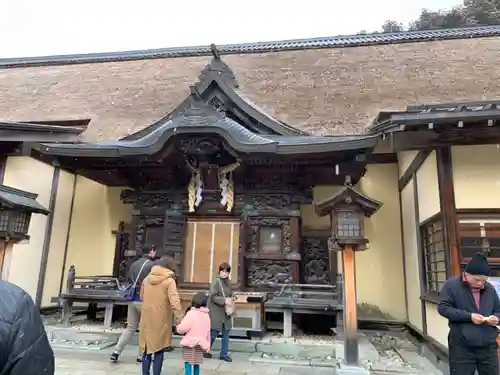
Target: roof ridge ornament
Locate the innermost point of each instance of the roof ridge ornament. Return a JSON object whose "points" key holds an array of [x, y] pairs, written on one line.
{"points": [[216, 69], [215, 51]]}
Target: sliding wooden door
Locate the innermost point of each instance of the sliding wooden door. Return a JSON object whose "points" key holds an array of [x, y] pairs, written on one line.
{"points": [[208, 244]]}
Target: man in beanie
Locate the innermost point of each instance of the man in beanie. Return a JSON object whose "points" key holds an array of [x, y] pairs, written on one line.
{"points": [[472, 308]]}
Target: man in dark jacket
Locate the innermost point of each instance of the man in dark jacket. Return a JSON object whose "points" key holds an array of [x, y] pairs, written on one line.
{"points": [[24, 347], [136, 274], [472, 308]]}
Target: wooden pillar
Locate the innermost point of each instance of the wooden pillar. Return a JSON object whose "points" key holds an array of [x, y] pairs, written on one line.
{"points": [[47, 237], [351, 354], [448, 209], [119, 255]]}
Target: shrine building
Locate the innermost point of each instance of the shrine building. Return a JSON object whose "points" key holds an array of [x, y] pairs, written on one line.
{"points": [[231, 153]]}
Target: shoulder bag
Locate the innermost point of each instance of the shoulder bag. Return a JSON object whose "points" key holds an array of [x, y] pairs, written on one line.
{"points": [[128, 291], [230, 310]]}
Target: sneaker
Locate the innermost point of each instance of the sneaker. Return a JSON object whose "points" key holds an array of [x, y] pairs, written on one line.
{"points": [[114, 357], [226, 359], [207, 355], [138, 360]]}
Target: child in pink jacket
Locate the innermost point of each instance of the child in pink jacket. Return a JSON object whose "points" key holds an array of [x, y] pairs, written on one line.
{"points": [[196, 329]]}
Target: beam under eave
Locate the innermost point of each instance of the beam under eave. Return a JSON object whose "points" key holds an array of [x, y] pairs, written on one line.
{"points": [[413, 168]]}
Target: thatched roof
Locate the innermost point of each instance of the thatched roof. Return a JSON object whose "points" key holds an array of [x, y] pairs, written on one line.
{"points": [[329, 90]]}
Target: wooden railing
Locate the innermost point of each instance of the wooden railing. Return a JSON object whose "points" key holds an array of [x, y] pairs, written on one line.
{"points": [[327, 296], [91, 285], [91, 290]]}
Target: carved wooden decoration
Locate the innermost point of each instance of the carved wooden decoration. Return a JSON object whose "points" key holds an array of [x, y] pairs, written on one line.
{"points": [[125, 252], [258, 223], [263, 197], [143, 232], [315, 261], [245, 228], [154, 199], [199, 146], [262, 273], [173, 244]]}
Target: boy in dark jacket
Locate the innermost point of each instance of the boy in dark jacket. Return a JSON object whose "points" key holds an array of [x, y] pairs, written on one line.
{"points": [[472, 308], [24, 346]]}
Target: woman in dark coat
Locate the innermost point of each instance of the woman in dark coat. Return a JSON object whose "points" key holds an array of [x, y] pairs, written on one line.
{"points": [[221, 294]]}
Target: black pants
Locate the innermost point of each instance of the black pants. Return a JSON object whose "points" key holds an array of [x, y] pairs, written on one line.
{"points": [[465, 360]]}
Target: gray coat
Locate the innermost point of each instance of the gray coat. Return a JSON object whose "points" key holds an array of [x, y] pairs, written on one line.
{"points": [[216, 304], [135, 268]]}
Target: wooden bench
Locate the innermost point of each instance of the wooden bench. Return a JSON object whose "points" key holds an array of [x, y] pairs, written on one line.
{"points": [[92, 290]]}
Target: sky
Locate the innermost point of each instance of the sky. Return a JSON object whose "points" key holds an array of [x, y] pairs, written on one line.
{"points": [[53, 27]]}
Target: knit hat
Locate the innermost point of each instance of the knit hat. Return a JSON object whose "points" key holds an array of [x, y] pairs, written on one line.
{"points": [[478, 265]]}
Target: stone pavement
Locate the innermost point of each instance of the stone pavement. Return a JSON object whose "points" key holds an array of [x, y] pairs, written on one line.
{"points": [[72, 362], [86, 350], [96, 362]]}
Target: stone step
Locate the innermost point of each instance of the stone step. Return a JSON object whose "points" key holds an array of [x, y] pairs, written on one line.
{"points": [[100, 339], [85, 341], [280, 359]]}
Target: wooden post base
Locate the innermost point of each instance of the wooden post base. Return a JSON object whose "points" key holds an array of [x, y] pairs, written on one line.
{"points": [[352, 370], [287, 323], [67, 312], [108, 315]]}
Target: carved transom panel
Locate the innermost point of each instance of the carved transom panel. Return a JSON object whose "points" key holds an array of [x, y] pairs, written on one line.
{"points": [[154, 199], [290, 199], [273, 201], [257, 223], [262, 272]]}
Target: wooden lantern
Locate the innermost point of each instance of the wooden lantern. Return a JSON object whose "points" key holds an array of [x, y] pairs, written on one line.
{"points": [[348, 209], [16, 208]]}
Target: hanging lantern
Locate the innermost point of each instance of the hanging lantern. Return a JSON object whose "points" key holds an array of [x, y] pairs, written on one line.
{"points": [[348, 209], [16, 208], [14, 223], [349, 225]]}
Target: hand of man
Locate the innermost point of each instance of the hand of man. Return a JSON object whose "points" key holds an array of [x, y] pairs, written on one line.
{"points": [[492, 320], [477, 319], [229, 301]]}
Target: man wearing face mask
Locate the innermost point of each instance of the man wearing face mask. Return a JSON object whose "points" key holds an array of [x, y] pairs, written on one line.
{"points": [[472, 308]]}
